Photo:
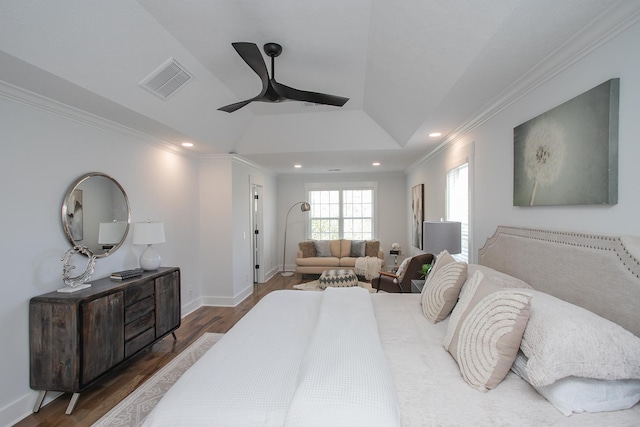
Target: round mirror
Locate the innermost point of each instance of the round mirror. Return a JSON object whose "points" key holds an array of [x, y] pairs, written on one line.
{"points": [[95, 214]]}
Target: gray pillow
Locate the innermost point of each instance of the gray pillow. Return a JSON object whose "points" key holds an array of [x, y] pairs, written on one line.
{"points": [[322, 248], [357, 248]]}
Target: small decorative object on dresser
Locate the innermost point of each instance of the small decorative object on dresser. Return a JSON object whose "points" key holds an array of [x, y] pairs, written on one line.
{"points": [[78, 282], [76, 339]]}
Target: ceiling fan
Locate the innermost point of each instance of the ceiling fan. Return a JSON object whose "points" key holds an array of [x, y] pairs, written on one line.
{"points": [[272, 91]]}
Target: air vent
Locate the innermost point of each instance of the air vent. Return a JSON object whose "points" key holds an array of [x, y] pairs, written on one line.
{"points": [[167, 79]]}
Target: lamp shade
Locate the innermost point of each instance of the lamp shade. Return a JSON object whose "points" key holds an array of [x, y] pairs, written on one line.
{"points": [[440, 235], [148, 233], [110, 233]]}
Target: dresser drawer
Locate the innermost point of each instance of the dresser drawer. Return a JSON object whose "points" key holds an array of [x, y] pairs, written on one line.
{"points": [[139, 325], [138, 292], [142, 340], [139, 309]]}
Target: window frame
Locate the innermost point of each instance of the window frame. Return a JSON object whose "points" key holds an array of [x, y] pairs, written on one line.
{"points": [[340, 187]]}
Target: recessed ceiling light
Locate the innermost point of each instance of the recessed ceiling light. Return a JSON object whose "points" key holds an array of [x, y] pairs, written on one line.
{"points": [[375, 164], [435, 134], [297, 166], [187, 144]]}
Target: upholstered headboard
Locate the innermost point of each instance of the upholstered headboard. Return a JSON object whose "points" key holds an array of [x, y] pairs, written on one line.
{"points": [[599, 273]]}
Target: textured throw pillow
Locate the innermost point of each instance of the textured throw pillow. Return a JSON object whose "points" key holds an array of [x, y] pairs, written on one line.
{"points": [[357, 248], [485, 330], [575, 394], [564, 340], [402, 270], [323, 249], [442, 259], [441, 290], [371, 248], [308, 249]]}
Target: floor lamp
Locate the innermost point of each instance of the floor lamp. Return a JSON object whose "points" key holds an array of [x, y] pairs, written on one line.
{"points": [[304, 207]]}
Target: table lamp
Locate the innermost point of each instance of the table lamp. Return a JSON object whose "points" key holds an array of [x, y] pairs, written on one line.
{"points": [[149, 233]]}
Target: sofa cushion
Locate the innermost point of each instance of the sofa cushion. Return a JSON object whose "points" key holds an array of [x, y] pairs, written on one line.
{"points": [[336, 247], [345, 248], [347, 261], [357, 248], [372, 247], [323, 248], [329, 261], [308, 249]]}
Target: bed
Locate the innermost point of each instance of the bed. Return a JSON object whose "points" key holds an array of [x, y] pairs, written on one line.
{"points": [[347, 357]]}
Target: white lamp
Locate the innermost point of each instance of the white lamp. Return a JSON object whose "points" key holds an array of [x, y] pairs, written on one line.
{"points": [[110, 233], [149, 233], [440, 235], [304, 207]]}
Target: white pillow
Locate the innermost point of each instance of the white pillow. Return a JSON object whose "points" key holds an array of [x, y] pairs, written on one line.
{"points": [[401, 270], [562, 340], [575, 394]]}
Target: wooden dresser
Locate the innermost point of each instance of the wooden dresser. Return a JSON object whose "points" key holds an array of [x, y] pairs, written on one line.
{"points": [[77, 338]]}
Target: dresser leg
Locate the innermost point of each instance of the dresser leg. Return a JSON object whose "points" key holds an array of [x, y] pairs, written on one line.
{"points": [[38, 404], [174, 336], [72, 403]]}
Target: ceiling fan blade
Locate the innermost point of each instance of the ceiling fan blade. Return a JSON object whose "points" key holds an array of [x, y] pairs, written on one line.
{"points": [[252, 56], [306, 96], [233, 107]]}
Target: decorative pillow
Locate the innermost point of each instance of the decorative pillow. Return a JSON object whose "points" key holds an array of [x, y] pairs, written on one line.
{"points": [[402, 270], [575, 394], [565, 340], [371, 248], [337, 279], [308, 249], [357, 248], [442, 259], [441, 290], [323, 249], [485, 330]]}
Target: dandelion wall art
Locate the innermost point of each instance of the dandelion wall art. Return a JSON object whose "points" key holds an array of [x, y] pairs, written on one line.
{"points": [[569, 155]]}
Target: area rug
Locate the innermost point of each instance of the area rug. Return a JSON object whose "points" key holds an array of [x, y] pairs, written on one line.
{"points": [[133, 409], [314, 285]]}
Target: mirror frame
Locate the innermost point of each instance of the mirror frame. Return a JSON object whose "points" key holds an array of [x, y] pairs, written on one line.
{"points": [[65, 210]]}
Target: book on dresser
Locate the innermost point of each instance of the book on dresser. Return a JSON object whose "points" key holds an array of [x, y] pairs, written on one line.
{"points": [[127, 274], [77, 339]]}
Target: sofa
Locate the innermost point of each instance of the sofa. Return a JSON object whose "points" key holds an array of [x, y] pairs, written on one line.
{"points": [[316, 256]]}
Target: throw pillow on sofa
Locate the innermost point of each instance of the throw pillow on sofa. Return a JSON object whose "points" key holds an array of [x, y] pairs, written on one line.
{"points": [[371, 248], [357, 248], [323, 249], [308, 249]]}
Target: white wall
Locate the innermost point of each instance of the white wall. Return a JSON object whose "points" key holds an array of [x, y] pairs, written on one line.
{"points": [[493, 176], [45, 147], [391, 207]]}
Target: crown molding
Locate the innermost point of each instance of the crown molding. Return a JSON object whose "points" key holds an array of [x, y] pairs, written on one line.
{"points": [[36, 101], [616, 19]]}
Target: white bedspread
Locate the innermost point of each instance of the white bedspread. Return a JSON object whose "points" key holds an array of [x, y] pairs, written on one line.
{"points": [[284, 363]]}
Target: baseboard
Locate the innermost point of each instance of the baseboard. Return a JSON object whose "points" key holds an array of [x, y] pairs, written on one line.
{"points": [[228, 301]]}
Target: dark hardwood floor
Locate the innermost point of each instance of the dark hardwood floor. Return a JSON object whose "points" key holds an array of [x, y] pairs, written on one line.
{"points": [[100, 398]]}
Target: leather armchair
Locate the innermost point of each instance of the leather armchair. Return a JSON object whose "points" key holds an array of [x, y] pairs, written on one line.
{"points": [[390, 282]]}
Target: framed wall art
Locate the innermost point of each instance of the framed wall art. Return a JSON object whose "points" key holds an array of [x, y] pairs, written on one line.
{"points": [[417, 215], [569, 155]]}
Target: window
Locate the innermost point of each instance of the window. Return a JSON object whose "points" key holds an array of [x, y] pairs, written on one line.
{"points": [[458, 204], [341, 213]]}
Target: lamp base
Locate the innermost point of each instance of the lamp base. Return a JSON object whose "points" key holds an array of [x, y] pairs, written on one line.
{"points": [[286, 273], [150, 259]]}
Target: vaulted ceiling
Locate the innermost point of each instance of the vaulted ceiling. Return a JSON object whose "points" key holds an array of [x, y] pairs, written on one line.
{"points": [[409, 67]]}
